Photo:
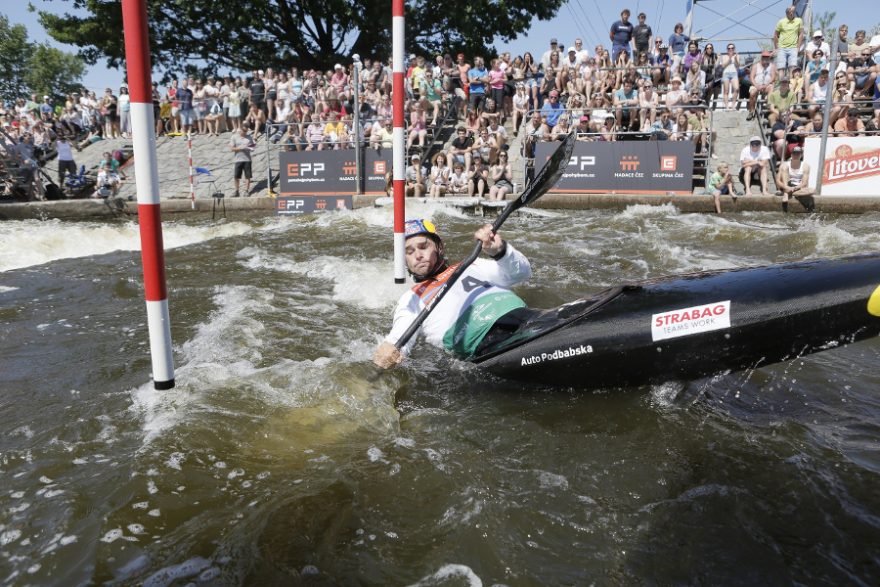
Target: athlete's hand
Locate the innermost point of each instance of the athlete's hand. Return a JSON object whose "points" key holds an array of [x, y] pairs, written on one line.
{"points": [[387, 356], [492, 242]]}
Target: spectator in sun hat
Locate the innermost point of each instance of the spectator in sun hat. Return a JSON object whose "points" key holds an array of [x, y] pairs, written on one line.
{"points": [[817, 41], [755, 165], [571, 59]]}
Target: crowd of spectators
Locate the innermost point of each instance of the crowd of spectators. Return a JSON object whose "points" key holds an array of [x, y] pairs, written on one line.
{"points": [[644, 86]]}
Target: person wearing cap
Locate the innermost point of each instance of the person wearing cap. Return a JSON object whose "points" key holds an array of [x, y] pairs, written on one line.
{"points": [[478, 310], [793, 179], [754, 164], [570, 60], [763, 78], [621, 35], [787, 37], [817, 43], [780, 100], [414, 178], [554, 48], [583, 130]]}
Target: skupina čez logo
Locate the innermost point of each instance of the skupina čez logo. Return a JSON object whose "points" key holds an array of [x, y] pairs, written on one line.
{"points": [[847, 165]]}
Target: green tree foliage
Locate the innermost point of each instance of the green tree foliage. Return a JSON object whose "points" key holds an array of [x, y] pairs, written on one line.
{"points": [[247, 34], [31, 68], [53, 72], [15, 54]]}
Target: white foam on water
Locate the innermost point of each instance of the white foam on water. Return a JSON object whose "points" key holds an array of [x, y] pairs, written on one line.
{"points": [[226, 352], [6, 288], [384, 215], [450, 572], [349, 276], [54, 239], [646, 210]]}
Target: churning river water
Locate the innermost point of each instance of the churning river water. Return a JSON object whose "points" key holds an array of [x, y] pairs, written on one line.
{"points": [[275, 460]]}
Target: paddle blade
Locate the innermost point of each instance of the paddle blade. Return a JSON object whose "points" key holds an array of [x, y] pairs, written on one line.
{"points": [[550, 173]]}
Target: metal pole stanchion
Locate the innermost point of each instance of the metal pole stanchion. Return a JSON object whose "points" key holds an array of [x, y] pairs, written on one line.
{"points": [[358, 132], [829, 98]]}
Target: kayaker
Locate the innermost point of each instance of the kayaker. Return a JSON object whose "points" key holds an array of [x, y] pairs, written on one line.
{"points": [[478, 311]]}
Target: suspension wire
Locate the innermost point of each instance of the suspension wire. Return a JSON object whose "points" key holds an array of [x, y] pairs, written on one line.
{"points": [[576, 18], [598, 38], [724, 17]]}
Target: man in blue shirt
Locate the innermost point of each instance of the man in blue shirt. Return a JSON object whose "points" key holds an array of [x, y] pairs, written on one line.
{"points": [[552, 109], [478, 77], [621, 35]]}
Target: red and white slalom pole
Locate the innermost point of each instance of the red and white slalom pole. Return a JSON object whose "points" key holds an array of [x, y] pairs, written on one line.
{"points": [[137, 57], [398, 156], [192, 186]]}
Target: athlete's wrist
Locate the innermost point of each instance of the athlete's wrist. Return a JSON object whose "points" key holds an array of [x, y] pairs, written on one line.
{"points": [[502, 250]]}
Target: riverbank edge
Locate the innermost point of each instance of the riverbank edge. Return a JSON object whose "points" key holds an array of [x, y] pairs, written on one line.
{"points": [[264, 205]]}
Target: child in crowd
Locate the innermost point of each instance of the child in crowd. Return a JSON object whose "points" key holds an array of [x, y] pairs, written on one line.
{"points": [[720, 184]]}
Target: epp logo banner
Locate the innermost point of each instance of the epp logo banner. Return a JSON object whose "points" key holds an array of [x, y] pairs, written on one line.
{"points": [[581, 161], [303, 169]]}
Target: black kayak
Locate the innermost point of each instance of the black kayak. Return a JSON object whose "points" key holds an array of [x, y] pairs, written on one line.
{"points": [[685, 327]]}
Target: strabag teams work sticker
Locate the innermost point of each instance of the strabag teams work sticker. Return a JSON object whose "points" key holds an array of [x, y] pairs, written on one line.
{"points": [[874, 303], [687, 321]]}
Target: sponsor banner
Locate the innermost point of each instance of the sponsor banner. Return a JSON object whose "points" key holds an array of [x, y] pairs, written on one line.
{"points": [[688, 321], [294, 205], [635, 167], [308, 173], [851, 166], [564, 353]]}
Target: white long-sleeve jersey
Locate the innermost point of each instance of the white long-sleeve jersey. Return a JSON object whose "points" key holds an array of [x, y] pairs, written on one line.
{"points": [[466, 313]]}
